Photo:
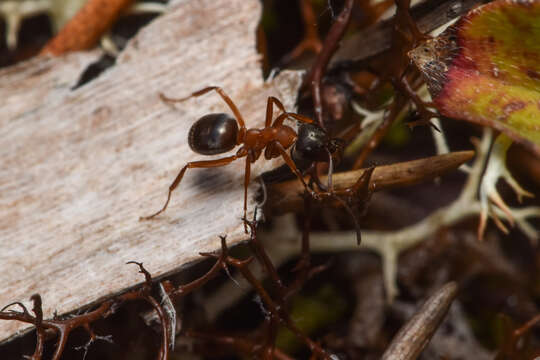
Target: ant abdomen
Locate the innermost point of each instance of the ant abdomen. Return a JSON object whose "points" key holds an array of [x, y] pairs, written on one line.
{"points": [[213, 134], [219, 133]]}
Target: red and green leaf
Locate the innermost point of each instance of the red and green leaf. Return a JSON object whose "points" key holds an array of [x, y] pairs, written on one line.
{"points": [[486, 69]]}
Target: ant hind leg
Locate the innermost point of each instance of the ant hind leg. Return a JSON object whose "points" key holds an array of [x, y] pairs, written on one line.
{"points": [[195, 164], [220, 92]]}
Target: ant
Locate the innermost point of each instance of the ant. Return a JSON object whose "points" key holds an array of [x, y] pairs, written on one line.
{"points": [[218, 133]]}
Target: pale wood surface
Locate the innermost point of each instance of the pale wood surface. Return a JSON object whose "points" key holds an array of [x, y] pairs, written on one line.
{"points": [[78, 167]]}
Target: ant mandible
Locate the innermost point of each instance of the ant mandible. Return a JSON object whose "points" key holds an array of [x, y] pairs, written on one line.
{"points": [[218, 133]]}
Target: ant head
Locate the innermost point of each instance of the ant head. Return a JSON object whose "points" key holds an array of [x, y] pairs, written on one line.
{"points": [[314, 144], [311, 144]]}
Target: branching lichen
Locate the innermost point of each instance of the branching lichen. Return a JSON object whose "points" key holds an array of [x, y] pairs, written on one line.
{"points": [[390, 244], [282, 242]]}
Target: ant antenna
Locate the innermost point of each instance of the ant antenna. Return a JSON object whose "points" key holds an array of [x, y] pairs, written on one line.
{"points": [[330, 170], [330, 9]]}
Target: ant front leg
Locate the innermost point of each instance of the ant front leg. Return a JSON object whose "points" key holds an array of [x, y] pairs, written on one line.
{"points": [[190, 165], [290, 163]]}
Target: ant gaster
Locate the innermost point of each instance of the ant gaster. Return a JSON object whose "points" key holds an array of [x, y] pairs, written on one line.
{"points": [[219, 133]]}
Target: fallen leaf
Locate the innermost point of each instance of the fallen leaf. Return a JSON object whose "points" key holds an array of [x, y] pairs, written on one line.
{"points": [[486, 69]]}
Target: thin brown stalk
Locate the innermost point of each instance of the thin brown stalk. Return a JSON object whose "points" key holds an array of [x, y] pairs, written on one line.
{"points": [[330, 45], [62, 328]]}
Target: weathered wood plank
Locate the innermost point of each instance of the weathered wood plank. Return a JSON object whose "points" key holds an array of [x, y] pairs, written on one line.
{"points": [[80, 166]]}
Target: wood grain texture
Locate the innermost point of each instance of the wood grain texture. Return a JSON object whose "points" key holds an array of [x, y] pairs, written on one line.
{"points": [[80, 166]]}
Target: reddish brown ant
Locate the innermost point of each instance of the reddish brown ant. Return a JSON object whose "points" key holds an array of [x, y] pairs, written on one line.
{"points": [[219, 133]]}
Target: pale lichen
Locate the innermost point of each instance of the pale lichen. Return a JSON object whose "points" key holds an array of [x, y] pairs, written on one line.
{"points": [[390, 244], [14, 12], [283, 240], [489, 195]]}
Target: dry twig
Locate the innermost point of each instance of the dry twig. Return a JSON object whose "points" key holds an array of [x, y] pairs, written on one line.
{"points": [[415, 335], [286, 197], [314, 78], [63, 327]]}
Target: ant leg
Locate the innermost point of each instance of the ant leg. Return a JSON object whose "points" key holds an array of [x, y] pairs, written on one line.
{"points": [[190, 165], [330, 172], [361, 190], [353, 216], [269, 110], [281, 118], [294, 169], [221, 93]]}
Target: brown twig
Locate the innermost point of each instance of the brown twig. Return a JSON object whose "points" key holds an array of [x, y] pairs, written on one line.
{"points": [[84, 30], [265, 261], [145, 293], [40, 341], [527, 326], [415, 335], [276, 307], [220, 264], [404, 36], [311, 39], [376, 138], [330, 45], [509, 346], [284, 197], [63, 327], [274, 303]]}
